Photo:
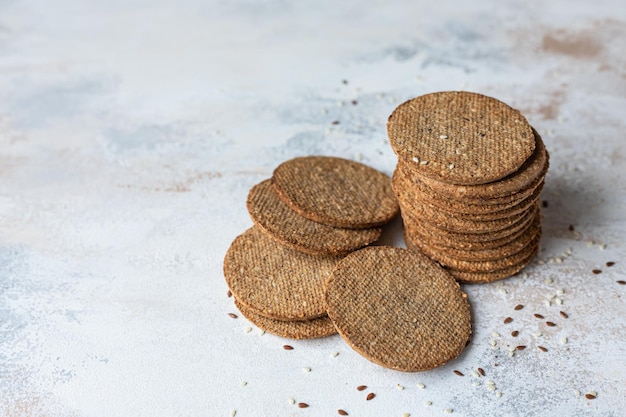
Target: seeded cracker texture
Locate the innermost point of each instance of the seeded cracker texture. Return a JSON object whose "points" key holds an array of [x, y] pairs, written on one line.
{"points": [[336, 191], [306, 329], [274, 280], [281, 223], [460, 137], [507, 189], [416, 192], [398, 308]]}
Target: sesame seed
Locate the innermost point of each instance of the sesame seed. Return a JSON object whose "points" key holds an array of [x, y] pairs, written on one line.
{"points": [[546, 303], [475, 374], [541, 348], [576, 391], [539, 316], [233, 413], [361, 387], [303, 405], [457, 151], [306, 369], [564, 340], [589, 243], [406, 415], [518, 307], [495, 334], [248, 329], [548, 281], [502, 290], [288, 347], [493, 342], [428, 403], [610, 264], [451, 166], [421, 386], [334, 354], [261, 332], [232, 315], [459, 373], [490, 382], [481, 371], [560, 291], [243, 383], [558, 301], [537, 334], [447, 411], [423, 162], [602, 247], [491, 387], [400, 387], [370, 396], [416, 160], [498, 394], [558, 260], [512, 353], [476, 383], [342, 412], [443, 136], [551, 324], [508, 320], [291, 401]]}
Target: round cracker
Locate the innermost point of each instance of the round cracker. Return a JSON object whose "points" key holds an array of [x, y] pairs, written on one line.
{"points": [[277, 281], [284, 225], [398, 308], [505, 190], [461, 137], [335, 191], [307, 329]]}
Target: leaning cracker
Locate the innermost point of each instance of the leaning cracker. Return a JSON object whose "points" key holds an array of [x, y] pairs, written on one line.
{"points": [[286, 226], [274, 280], [336, 191], [459, 137], [307, 329], [398, 308]]}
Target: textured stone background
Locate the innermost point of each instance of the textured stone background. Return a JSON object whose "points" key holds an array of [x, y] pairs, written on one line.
{"points": [[131, 131]]}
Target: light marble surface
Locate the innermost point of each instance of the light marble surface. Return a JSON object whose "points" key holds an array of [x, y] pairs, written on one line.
{"points": [[131, 131]]}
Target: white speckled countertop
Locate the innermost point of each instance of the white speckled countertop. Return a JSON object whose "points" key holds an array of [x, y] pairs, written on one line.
{"points": [[131, 131]]}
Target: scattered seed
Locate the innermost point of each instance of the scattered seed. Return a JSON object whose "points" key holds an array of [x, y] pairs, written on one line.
{"points": [[508, 320], [354, 102], [459, 373], [443, 136], [248, 329], [428, 403], [406, 415], [564, 340], [451, 166], [475, 374], [494, 334], [370, 396], [490, 382], [602, 246], [447, 411], [558, 301], [511, 354], [589, 243], [539, 316], [610, 264], [335, 122], [421, 386], [243, 383], [423, 162], [520, 347], [303, 405], [502, 290], [541, 348], [400, 387], [563, 314], [551, 324], [537, 334], [306, 369], [416, 160], [590, 396], [261, 332], [596, 271], [560, 291], [518, 307], [621, 282], [233, 413], [491, 387], [288, 347], [498, 394], [334, 354], [514, 333], [232, 315], [361, 387], [476, 383], [291, 401], [342, 412], [493, 342], [576, 391], [229, 294], [481, 371], [546, 303], [548, 281]]}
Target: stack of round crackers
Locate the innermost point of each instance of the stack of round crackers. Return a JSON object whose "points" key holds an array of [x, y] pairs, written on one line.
{"points": [[307, 217], [469, 174]]}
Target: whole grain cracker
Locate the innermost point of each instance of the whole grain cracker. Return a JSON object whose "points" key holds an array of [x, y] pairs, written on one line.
{"points": [[274, 280], [284, 225], [336, 191], [307, 329], [398, 309], [463, 138], [512, 186]]}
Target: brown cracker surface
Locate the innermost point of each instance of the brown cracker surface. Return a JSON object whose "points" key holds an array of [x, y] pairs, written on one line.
{"points": [[336, 191], [274, 280], [284, 225], [398, 308], [482, 137]]}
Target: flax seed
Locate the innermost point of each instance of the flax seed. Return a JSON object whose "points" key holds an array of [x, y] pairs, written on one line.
{"points": [[361, 387], [459, 373], [342, 412], [514, 333], [232, 315], [370, 396], [596, 271], [539, 316], [508, 320], [303, 405], [518, 307], [481, 371], [563, 314], [541, 348], [551, 324], [288, 347]]}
